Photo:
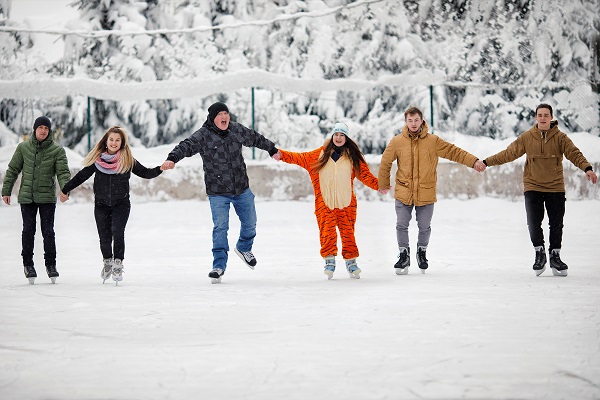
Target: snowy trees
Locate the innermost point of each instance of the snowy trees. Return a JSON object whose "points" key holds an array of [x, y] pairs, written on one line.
{"points": [[499, 59]]}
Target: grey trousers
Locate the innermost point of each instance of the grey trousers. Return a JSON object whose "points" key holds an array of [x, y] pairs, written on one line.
{"points": [[403, 217]]}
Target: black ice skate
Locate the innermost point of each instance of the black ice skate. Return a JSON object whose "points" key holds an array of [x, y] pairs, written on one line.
{"points": [[558, 267], [247, 257], [422, 258], [52, 272], [215, 275], [30, 273], [539, 265], [403, 263]]}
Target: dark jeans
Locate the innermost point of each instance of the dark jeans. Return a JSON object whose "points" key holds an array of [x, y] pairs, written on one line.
{"points": [[111, 222], [29, 214], [555, 206]]}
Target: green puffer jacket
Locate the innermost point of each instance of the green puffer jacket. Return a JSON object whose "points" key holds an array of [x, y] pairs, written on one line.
{"points": [[39, 162]]}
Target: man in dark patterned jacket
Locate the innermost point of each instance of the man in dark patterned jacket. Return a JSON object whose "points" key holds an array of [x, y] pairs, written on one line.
{"points": [[219, 142]]}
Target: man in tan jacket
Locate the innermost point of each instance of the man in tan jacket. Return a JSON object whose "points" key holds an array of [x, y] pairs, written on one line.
{"points": [[416, 152], [543, 182]]}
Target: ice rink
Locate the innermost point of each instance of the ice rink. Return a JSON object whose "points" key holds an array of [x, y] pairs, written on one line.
{"points": [[478, 324]]}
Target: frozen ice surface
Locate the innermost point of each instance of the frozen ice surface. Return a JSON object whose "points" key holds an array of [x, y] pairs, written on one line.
{"points": [[478, 324]]}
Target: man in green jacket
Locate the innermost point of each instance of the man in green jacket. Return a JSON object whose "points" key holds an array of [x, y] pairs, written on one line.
{"points": [[544, 183], [39, 160]]}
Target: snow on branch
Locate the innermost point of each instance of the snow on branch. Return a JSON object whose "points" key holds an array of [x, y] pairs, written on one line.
{"points": [[105, 33], [176, 89]]}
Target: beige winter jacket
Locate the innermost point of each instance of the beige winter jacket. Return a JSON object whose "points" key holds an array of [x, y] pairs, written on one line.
{"points": [[417, 158], [543, 166]]}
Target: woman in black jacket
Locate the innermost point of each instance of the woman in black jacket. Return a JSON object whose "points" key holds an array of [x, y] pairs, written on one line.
{"points": [[112, 162]]}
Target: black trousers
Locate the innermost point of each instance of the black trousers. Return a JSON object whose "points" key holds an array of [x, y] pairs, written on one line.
{"points": [[555, 207], [29, 214], [111, 222]]}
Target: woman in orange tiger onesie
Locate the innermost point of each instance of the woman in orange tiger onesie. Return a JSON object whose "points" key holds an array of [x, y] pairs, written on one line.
{"points": [[332, 169]]}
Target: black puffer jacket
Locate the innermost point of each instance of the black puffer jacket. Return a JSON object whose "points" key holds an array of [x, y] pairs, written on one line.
{"points": [[110, 189], [221, 152]]}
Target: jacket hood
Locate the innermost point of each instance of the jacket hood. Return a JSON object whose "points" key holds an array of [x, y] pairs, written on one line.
{"points": [[537, 133]]}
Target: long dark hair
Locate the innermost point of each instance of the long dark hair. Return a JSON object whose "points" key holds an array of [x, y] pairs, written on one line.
{"points": [[349, 149]]}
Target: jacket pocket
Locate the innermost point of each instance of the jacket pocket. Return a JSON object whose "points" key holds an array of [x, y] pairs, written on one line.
{"points": [[402, 190], [427, 192], [543, 169]]}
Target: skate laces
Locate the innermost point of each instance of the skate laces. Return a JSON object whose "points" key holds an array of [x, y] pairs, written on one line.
{"points": [[247, 255]]}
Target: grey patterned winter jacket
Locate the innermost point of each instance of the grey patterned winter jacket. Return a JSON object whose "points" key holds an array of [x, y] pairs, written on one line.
{"points": [[221, 152]]}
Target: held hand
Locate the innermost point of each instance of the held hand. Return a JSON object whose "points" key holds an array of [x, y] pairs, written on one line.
{"points": [[167, 165], [384, 191], [479, 166], [277, 156], [6, 200], [591, 176], [63, 197]]}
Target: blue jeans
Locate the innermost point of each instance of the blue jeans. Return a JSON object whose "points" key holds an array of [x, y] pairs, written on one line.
{"points": [[244, 208]]}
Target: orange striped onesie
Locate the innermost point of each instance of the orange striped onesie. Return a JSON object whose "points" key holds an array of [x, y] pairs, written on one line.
{"points": [[335, 202]]}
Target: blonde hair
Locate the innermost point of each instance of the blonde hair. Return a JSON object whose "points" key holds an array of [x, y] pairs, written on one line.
{"points": [[126, 160]]}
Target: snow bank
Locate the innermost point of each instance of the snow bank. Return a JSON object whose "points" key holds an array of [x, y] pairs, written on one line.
{"points": [[270, 180]]}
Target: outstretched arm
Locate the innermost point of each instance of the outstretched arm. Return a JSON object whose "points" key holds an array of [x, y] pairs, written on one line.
{"points": [[366, 177], [146, 173], [388, 157], [304, 160], [79, 178], [185, 148]]}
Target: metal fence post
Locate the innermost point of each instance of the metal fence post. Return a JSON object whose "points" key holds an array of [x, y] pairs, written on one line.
{"points": [[89, 123], [431, 105], [253, 128]]}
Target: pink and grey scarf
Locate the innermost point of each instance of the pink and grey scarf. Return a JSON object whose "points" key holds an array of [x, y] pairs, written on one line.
{"points": [[108, 163]]}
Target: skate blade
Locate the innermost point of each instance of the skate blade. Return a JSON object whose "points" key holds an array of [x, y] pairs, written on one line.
{"points": [[556, 272], [353, 276], [31, 281], [53, 280], [215, 280], [401, 271], [539, 272], [423, 271]]}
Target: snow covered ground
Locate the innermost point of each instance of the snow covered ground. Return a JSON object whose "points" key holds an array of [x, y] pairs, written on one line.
{"points": [[478, 325]]}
